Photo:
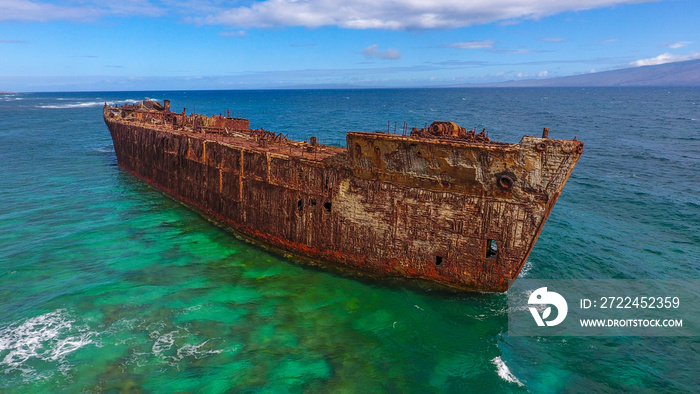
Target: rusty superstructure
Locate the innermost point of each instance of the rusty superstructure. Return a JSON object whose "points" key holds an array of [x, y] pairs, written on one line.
{"points": [[442, 204]]}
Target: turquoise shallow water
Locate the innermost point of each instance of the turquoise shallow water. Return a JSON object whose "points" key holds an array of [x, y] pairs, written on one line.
{"points": [[107, 285]]}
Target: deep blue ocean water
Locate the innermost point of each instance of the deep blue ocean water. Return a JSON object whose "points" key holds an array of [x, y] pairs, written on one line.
{"points": [[107, 285]]}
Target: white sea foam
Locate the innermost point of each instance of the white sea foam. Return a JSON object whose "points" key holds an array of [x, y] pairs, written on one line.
{"points": [[49, 337], [85, 104], [167, 350], [163, 343], [196, 351], [526, 269], [104, 149], [504, 372]]}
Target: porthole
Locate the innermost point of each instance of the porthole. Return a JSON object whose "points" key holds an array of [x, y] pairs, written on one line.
{"points": [[505, 181]]}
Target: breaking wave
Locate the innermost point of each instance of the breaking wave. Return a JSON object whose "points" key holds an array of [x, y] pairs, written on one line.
{"points": [[86, 104], [73, 105], [504, 372], [10, 97], [48, 338]]}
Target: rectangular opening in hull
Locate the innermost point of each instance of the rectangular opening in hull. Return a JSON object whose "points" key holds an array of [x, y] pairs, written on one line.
{"points": [[491, 248]]}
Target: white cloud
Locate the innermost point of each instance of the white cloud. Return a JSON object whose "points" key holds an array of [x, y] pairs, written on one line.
{"points": [[373, 52], [512, 51], [541, 74], [478, 44], [352, 14], [394, 15], [30, 11], [664, 58], [676, 45], [237, 34], [38, 11], [489, 45]]}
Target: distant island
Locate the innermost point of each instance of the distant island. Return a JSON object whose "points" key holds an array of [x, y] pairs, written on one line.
{"points": [[685, 73], [676, 74]]}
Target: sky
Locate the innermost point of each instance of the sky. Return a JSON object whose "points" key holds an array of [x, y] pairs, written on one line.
{"points": [[91, 45]]}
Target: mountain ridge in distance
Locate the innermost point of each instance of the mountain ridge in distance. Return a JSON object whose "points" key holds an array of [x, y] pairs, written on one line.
{"points": [[685, 73]]}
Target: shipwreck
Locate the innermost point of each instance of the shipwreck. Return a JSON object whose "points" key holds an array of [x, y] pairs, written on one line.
{"points": [[441, 204]]}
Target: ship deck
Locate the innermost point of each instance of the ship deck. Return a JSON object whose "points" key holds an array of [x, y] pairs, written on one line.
{"points": [[259, 140], [251, 140]]}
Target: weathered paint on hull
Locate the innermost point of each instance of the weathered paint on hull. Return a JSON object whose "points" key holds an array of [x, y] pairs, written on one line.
{"points": [[388, 205]]}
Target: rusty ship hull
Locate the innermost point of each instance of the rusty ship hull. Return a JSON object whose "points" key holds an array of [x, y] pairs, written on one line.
{"points": [[450, 209]]}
